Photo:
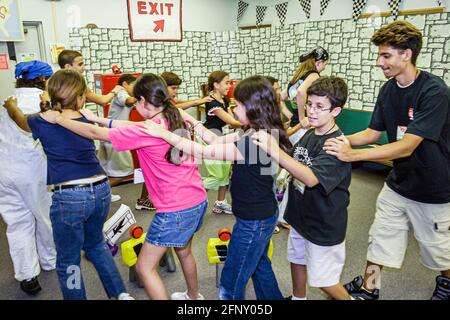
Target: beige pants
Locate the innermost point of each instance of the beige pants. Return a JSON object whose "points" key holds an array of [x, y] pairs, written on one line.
{"points": [[395, 217]]}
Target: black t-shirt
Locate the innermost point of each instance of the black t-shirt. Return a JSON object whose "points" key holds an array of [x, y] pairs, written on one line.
{"points": [[292, 94], [212, 121], [252, 185], [421, 109], [319, 213]]}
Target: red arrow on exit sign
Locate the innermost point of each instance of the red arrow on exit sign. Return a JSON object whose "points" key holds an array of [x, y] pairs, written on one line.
{"points": [[159, 26]]}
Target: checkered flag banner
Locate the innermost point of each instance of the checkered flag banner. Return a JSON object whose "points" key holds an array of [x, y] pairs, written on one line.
{"points": [[358, 6], [394, 5], [260, 13], [306, 5], [281, 12], [242, 6], [323, 5]]}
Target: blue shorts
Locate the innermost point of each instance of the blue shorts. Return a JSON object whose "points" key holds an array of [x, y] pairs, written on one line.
{"points": [[175, 229]]}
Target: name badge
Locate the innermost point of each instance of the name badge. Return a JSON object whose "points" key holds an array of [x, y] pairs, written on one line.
{"points": [[226, 130], [401, 130], [138, 176], [299, 186]]}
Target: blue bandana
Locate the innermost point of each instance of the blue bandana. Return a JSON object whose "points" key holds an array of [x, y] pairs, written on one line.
{"points": [[33, 69]]}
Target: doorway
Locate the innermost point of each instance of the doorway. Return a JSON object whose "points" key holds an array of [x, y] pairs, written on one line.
{"points": [[33, 47]]}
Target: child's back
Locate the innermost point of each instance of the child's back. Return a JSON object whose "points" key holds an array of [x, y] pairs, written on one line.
{"points": [[171, 187], [119, 110], [252, 182]]}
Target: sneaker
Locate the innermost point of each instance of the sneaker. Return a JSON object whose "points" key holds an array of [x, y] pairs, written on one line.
{"points": [[30, 286], [115, 197], [184, 296], [356, 290], [144, 204], [442, 291], [125, 296], [222, 207]]}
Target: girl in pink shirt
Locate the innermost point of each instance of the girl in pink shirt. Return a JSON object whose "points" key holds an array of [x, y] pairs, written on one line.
{"points": [[168, 173], [252, 186]]}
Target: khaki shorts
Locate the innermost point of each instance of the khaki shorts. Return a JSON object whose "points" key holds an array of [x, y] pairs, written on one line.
{"points": [[323, 264], [116, 164], [395, 216]]}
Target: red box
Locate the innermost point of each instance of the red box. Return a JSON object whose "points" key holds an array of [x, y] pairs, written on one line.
{"points": [[233, 84]]}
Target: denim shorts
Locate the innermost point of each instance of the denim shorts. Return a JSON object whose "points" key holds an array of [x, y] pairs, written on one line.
{"points": [[175, 229]]}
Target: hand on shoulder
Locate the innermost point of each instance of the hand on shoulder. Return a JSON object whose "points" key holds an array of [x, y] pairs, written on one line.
{"points": [[51, 116]]}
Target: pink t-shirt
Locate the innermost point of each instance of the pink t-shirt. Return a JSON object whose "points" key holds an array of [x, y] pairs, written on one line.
{"points": [[171, 188]]}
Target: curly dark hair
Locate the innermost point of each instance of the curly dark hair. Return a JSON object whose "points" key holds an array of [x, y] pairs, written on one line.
{"points": [[400, 35], [38, 82]]}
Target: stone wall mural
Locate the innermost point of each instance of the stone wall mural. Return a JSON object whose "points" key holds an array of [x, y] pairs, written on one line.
{"points": [[267, 51]]}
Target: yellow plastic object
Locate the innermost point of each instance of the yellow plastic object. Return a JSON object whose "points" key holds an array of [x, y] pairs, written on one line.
{"points": [[217, 250], [130, 250]]}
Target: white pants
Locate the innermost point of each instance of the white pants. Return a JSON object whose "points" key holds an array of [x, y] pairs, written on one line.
{"points": [[25, 207]]}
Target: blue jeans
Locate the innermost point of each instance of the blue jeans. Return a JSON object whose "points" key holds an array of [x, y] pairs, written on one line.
{"points": [[247, 257], [77, 216]]}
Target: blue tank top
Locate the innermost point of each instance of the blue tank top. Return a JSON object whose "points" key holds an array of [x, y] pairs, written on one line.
{"points": [[69, 156]]}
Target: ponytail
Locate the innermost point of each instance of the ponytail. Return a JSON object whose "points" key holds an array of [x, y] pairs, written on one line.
{"points": [[176, 125], [64, 89]]}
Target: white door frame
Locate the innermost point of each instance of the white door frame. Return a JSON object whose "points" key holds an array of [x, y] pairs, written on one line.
{"points": [[41, 40]]}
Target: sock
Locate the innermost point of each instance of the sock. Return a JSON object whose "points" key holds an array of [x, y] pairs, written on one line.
{"points": [[296, 298], [364, 288]]}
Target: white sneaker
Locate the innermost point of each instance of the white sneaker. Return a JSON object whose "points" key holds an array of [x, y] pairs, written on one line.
{"points": [[125, 296], [115, 197], [222, 207], [184, 296]]}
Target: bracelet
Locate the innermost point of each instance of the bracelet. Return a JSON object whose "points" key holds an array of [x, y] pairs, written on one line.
{"points": [[110, 123]]}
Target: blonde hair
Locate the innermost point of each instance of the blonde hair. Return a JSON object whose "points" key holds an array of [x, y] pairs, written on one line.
{"points": [[64, 88], [306, 66]]}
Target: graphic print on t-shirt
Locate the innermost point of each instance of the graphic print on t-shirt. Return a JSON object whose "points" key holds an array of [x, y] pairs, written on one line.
{"points": [[406, 118], [301, 155], [411, 113]]}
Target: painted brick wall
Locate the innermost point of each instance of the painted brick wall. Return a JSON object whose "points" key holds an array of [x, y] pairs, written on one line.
{"points": [[269, 51]]}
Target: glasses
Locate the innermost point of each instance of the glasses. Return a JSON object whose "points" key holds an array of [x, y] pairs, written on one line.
{"points": [[317, 108]]}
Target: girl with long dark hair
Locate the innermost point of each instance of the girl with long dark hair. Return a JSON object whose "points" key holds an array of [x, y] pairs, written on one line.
{"points": [[252, 186]]}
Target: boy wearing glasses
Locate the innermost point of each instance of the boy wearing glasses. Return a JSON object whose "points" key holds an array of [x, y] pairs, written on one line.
{"points": [[318, 194]]}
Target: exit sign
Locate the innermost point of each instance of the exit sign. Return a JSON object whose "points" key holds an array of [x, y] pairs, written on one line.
{"points": [[155, 20]]}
